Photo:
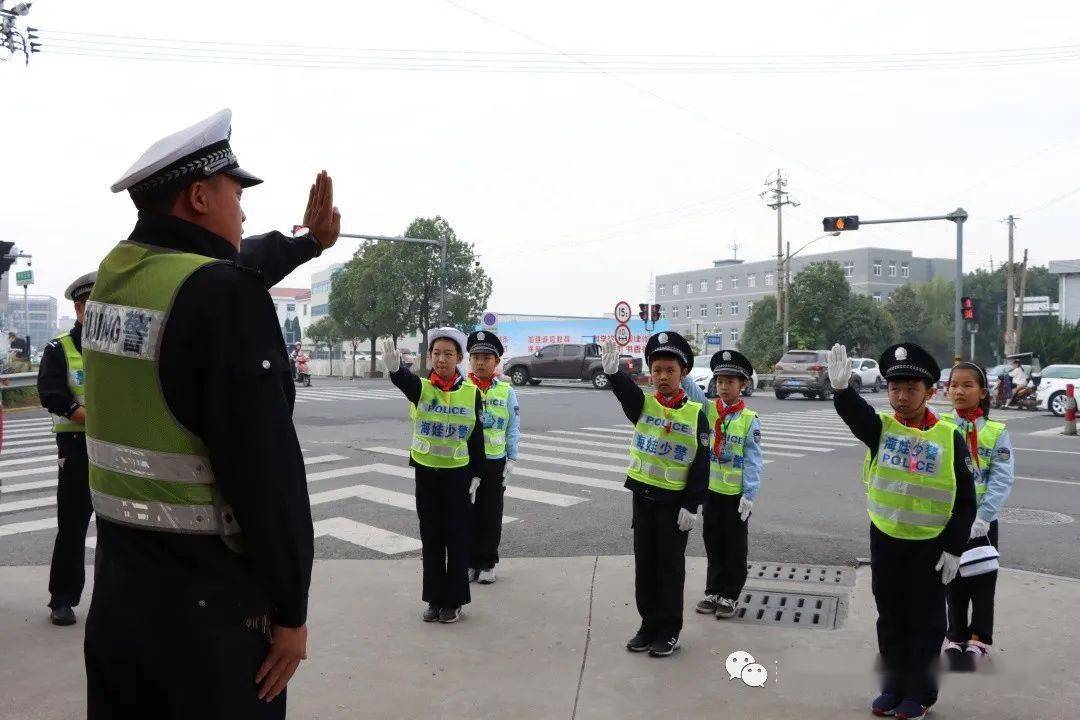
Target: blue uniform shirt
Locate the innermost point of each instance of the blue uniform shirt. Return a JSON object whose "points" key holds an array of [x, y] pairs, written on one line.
{"points": [[513, 432]]}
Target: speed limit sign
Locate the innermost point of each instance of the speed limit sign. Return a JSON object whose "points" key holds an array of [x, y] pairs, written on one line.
{"points": [[622, 312], [622, 335]]}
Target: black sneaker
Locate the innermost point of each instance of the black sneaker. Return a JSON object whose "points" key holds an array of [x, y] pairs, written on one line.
{"points": [[62, 615], [640, 642], [449, 615], [912, 710], [726, 608], [708, 605], [431, 614], [885, 705], [664, 647]]}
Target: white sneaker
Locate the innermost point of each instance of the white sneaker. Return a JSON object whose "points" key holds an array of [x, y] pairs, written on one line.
{"points": [[979, 650], [486, 577], [951, 647], [473, 575]]}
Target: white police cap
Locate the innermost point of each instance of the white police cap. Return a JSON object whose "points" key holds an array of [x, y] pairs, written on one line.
{"points": [[194, 153], [449, 333], [81, 286]]}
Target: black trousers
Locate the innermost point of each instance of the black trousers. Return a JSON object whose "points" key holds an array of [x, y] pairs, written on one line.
{"points": [[911, 613], [442, 505], [167, 658], [978, 592], [659, 566], [726, 545], [67, 574], [487, 512]]}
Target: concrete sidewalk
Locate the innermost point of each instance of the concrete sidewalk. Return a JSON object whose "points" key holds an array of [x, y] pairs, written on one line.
{"points": [[527, 649]]}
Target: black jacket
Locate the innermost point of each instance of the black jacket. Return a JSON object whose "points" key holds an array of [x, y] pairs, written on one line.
{"points": [[225, 377], [632, 400], [865, 424], [409, 384], [52, 380]]}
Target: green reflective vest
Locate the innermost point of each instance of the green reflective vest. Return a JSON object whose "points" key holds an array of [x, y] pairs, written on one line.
{"points": [[76, 382], [146, 470], [441, 423], [988, 437], [910, 483], [496, 419], [664, 444], [726, 474]]}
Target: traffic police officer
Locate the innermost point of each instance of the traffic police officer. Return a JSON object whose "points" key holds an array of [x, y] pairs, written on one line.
{"points": [[668, 474], [205, 539], [502, 431], [920, 495], [61, 391]]}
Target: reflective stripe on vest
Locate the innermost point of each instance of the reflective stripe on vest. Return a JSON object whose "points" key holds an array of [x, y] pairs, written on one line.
{"points": [[76, 383], [664, 444], [496, 419], [726, 473], [988, 438], [146, 470], [442, 422], [910, 483]]}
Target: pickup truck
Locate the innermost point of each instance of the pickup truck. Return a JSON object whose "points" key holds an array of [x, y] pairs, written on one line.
{"points": [[565, 362]]}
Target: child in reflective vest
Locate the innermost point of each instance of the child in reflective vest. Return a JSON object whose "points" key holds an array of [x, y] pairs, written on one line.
{"points": [[920, 497], [446, 452], [502, 431], [970, 639], [668, 473], [735, 466]]}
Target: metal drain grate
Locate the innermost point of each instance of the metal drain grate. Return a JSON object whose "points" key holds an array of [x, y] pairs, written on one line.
{"points": [[825, 574], [797, 610]]}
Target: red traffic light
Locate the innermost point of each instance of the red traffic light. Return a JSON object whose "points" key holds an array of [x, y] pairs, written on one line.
{"points": [[841, 223], [968, 308], [654, 312], [643, 311]]}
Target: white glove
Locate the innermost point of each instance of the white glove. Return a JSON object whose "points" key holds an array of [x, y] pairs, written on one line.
{"points": [[391, 357], [979, 528], [609, 358], [686, 520], [472, 488], [839, 367], [745, 506], [948, 565], [509, 469]]}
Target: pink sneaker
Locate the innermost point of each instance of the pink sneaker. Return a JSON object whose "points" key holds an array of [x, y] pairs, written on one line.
{"points": [[978, 649]]}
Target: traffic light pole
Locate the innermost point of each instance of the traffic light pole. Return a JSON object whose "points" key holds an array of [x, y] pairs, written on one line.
{"points": [[958, 216]]}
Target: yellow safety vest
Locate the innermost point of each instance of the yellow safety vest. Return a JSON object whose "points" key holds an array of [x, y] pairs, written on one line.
{"points": [[496, 419], [664, 444], [988, 438], [726, 476], [76, 382], [442, 422]]}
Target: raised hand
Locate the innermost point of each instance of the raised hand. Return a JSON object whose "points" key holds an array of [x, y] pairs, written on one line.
{"points": [[391, 356], [609, 358], [320, 216], [839, 367]]}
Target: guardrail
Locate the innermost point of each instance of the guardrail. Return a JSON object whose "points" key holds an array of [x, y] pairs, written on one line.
{"points": [[17, 380]]}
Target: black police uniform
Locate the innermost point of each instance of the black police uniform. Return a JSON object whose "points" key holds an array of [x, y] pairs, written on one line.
{"points": [[67, 573], [487, 506], [442, 507], [178, 624], [659, 545], [907, 589]]}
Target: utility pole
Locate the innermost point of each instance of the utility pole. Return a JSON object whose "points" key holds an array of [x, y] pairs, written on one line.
{"points": [[777, 198], [1020, 314], [1010, 294], [787, 293]]}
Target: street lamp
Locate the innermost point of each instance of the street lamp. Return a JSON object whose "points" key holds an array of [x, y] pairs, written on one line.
{"points": [[787, 279]]}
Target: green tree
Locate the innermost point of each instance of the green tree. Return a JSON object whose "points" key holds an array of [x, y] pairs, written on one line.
{"points": [[468, 287], [364, 298], [818, 305], [908, 312], [762, 338], [325, 330], [867, 328]]}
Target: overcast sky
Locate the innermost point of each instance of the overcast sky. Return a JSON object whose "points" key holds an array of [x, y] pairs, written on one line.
{"points": [[573, 187]]}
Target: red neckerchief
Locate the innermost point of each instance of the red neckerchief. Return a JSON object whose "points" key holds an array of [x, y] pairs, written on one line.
{"points": [[929, 420], [723, 412], [444, 385], [972, 430], [482, 384], [670, 403]]}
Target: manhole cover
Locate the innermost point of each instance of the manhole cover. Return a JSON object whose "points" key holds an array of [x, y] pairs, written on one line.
{"points": [[813, 612], [1026, 516], [825, 574]]}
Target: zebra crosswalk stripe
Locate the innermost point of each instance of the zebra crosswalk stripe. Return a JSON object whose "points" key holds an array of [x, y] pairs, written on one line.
{"points": [[574, 441], [512, 491], [357, 533]]}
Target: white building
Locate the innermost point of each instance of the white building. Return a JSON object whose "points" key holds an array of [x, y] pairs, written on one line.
{"points": [[1068, 272], [293, 306], [42, 309], [320, 291]]}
